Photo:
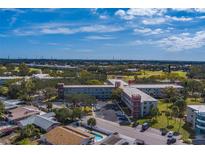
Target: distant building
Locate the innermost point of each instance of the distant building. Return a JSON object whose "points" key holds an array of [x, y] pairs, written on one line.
{"points": [[67, 136], [40, 76], [196, 116], [155, 90], [99, 91]]}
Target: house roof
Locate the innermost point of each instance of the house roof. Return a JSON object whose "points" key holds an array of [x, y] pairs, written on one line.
{"points": [[22, 112], [66, 136], [43, 121]]}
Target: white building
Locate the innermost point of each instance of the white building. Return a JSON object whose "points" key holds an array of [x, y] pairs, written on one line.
{"points": [[196, 116], [155, 90], [138, 102], [99, 91]]}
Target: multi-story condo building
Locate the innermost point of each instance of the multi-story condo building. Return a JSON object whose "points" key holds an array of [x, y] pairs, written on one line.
{"points": [[155, 90], [99, 91], [138, 102], [196, 116], [136, 97]]}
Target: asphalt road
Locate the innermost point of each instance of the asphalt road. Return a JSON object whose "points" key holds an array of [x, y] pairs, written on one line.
{"points": [[151, 136]]}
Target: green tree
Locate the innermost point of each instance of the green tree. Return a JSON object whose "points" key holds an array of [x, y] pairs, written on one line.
{"points": [[49, 105], [4, 90], [175, 112], [63, 114], [181, 104], [91, 122], [29, 131], [27, 89], [154, 112], [76, 113], [116, 94], [50, 92], [169, 93], [94, 82], [203, 95], [23, 69], [2, 109], [14, 91], [168, 114]]}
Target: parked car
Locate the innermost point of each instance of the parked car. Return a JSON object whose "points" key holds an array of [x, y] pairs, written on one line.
{"points": [[139, 142], [171, 140], [164, 132], [145, 126], [170, 134], [135, 124]]}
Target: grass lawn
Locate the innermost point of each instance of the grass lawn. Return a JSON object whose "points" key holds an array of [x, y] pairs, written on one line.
{"points": [[174, 124], [34, 69], [193, 101], [146, 74], [180, 73]]}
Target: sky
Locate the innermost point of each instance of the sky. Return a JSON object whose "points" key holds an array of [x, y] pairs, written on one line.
{"points": [[135, 34]]}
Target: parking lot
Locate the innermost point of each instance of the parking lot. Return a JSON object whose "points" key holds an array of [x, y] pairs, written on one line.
{"points": [[111, 112]]}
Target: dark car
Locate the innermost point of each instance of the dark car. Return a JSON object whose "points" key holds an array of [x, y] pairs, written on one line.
{"points": [[139, 142], [122, 119], [135, 124], [171, 140], [164, 132], [145, 126]]}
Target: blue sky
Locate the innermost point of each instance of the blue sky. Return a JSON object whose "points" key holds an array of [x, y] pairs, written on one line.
{"points": [[143, 34]]}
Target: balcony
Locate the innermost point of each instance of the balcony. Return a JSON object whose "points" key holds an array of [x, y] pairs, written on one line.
{"points": [[200, 120], [200, 127]]}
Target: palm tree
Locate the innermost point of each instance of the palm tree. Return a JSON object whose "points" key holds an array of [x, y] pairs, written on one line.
{"points": [[154, 112], [181, 104], [167, 113], [2, 109], [175, 111], [91, 122]]}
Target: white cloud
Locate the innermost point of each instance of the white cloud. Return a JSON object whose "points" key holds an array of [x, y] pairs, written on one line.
{"points": [[63, 28], [154, 21], [132, 13], [95, 37], [179, 18], [183, 41], [148, 31], [103, 17], [201, 17], [200, 10]]}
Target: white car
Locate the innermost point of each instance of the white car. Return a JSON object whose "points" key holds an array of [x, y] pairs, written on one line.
{"points": [[170, 134]]}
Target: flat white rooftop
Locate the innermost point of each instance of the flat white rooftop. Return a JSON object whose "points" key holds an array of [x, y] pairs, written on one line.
{"points": [[133, 91], [155, 85], [89, 86], [200, 108]]}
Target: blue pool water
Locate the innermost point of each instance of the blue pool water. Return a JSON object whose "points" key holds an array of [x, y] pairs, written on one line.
{"points": [[98, 137]]}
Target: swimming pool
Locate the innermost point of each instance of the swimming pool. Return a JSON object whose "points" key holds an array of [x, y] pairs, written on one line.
{"points": [[98, 137]]}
